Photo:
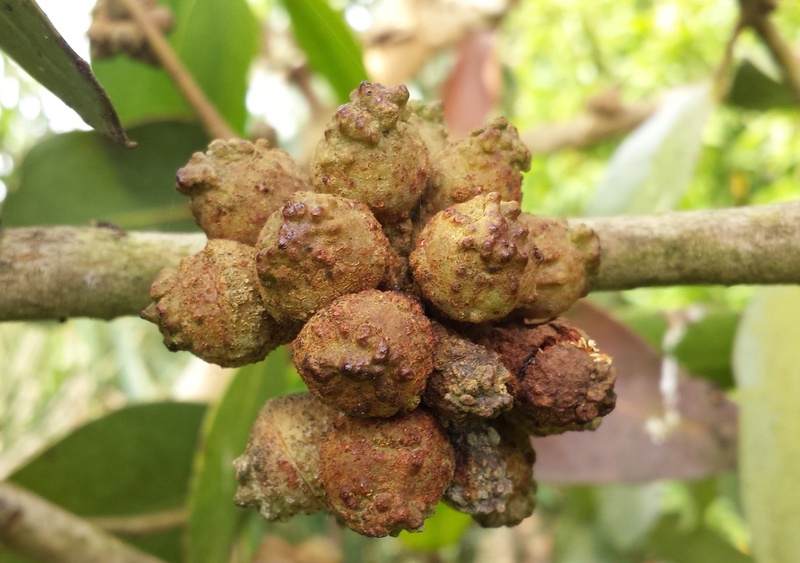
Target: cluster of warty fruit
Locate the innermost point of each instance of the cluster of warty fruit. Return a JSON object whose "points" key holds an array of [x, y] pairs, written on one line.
{"points": [[422, 309]]}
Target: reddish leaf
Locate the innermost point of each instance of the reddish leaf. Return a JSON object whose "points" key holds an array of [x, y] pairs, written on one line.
{"points": [[473, 88], [703, 441]]}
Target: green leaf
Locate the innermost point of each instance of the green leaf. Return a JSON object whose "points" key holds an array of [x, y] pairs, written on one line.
{"points": [[653, 166], [754, 88], [445, 528], [135, 461], [707, 346], [81, 176], [627, 513], [767, 369], [216, 42], [669, 542], [329, 44], [29, 38], [213, 518]]}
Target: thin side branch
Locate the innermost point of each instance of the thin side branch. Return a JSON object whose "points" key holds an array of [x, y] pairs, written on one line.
{"points": [[598, 123], [38, 529], [755, 14], [61, 272], [141, 524], [747, 245], [214, 124]]}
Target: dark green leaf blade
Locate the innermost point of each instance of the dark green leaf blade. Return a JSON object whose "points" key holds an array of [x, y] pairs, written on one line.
{"points": [[213, 518], [29, 38], [135, 461], [78, 177], [753, 88], [329, 44]]}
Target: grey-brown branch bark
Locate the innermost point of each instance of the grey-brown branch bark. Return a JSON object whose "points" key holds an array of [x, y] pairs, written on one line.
{"points": [[38, 529], [747, 245], [61, 272]]}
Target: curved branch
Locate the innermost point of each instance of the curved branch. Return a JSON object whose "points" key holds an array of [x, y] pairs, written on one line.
{"points": [[36, 528], [61, 272]]}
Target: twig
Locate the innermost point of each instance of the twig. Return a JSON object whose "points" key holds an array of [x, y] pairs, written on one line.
{"points": [[212, 121], [588, 128], [755, 14], [61, 272], [141, 524], [723, 72], [38, 529]]}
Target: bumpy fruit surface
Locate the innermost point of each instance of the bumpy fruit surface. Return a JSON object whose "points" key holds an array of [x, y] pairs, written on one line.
{"points": [[490, 159], [518, 457], [279, 470], [429, 121], [386, 475], [469, 259], [367, 354], [211, 307], [467, 380], [406, 275], [236, 185], [565, 257], [481, 484], [316, 248], [372, 154], [561, 381]]}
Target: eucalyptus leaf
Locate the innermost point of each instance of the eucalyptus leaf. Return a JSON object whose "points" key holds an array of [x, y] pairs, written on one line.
{"points": [[29, 38], [329, 44], [767, 369], [652, 168], [213, 518], [78, 177]]}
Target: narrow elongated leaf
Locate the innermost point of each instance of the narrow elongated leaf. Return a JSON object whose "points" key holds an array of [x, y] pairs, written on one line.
{"points": [[652, 168], [216, 42], [767, 370], [77, 177], [133, 462], [29, 38], [213, 518], [329, 44]]}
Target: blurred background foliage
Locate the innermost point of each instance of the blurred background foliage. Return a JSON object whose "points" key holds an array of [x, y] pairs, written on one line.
{"points": [[278, 69]]}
